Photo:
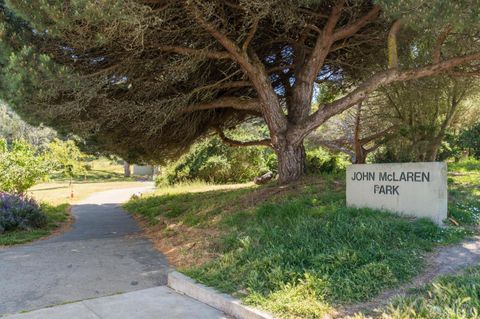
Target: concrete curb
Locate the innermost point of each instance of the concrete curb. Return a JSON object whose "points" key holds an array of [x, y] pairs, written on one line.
{"points": [[213, 298]]}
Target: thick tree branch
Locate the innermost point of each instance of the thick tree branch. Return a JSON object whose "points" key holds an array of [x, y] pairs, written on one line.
{"points": [[376, 81], [332, 145], [323, 43], [254, 68], [392, 44], [353, 28], [234, 51], [234, 143], [225, 102], [373, 137], [250, 35], [306, 71]]}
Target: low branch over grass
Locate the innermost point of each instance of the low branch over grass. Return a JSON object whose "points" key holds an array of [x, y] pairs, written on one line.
{"points": [[235, 143]]}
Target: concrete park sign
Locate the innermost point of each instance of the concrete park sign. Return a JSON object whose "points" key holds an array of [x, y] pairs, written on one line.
{"points": [[413, 189]]}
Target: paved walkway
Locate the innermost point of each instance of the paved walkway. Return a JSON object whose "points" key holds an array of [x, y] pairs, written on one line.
{"points": [[104, 254], [152, 303]]}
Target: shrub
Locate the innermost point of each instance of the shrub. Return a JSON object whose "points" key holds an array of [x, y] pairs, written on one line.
{"points": [[321, 161], [18, 212], [469, 140], [21, 167], [214, 162]]}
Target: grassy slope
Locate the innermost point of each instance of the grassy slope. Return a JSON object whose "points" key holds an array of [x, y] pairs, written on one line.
{"points": [[297, 250]]}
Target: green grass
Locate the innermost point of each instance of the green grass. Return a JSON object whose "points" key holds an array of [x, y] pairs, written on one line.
{"points": [[320, 252], [464, 192], [449, 297], [56, 193], [57, 215], [99, 170], [302, 252], [193, 203]]}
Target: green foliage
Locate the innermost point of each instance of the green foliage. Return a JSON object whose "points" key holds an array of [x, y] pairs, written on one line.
{"points": [[12, 127], [424, 112], [449, 297], [461, 143], [321, 161], [56, 216], [467, 165], [81, 65], [214, 162], [21, 167], [66, 158], [193, 203], [470, 140], [464, 190]]}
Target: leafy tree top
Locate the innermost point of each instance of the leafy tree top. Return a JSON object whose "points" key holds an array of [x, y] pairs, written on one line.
{"points": [[147, 78]]}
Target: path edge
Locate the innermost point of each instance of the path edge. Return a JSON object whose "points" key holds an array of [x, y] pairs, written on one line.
{"points": [[209, 296]]}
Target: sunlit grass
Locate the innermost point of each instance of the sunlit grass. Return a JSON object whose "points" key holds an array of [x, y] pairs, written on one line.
{"points": [[449, 297], [300, 253], [464, 191], [56, 193]]}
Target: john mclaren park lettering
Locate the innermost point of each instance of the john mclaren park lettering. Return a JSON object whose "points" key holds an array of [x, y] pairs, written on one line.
{"points": [[415, 189]]}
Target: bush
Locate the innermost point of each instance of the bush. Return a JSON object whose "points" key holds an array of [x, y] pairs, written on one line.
{"points": [[18, 212], [321, 161], [213, 162], [469, 140], [21, 167]]}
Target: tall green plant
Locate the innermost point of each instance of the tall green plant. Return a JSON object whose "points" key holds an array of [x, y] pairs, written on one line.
{"points": [[66, 158], [20, 166]]}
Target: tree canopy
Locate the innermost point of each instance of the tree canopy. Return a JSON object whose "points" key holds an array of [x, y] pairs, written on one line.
{"points": [[146, 78]]}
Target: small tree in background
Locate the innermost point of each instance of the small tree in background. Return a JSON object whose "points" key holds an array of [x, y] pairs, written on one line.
{"points": [[21, 167], [357, 132], [424, 111], [66, 158], [470, 140]]}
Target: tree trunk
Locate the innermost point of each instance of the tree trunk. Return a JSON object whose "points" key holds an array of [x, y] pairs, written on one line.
{"points": [[126, 169], [291, 162], [432, 151], [360, 155]]}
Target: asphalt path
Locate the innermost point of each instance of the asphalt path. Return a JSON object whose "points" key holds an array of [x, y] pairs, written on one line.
{"points": [[103, 254]]}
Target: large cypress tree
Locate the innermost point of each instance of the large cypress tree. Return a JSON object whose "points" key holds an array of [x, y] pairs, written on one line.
{"points": [[146, 78]]}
